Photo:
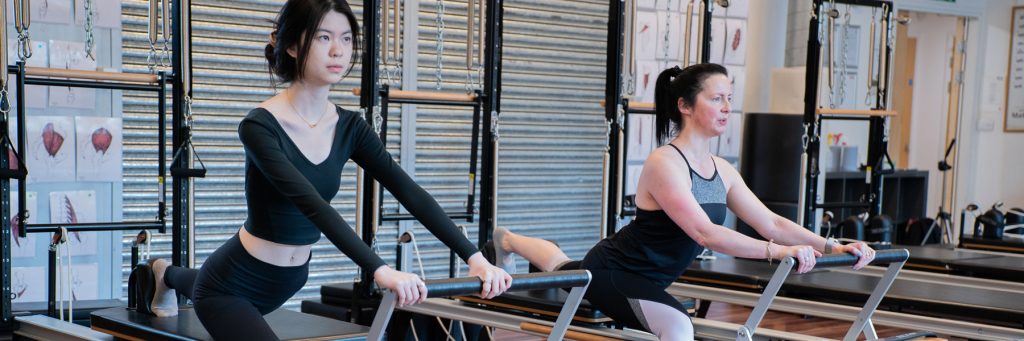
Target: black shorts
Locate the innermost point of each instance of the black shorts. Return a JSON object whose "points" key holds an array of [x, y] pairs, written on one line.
{"points": [[616, 292]]}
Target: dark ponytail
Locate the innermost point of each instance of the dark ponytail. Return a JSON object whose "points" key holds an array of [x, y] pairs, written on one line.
{"points": [[676, 83]]}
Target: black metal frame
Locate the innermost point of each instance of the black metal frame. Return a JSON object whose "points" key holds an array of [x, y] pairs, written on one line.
{"points": [[180, 198], [617, 118], [627, 210], [477, 105], [877, 144], [374, 99], [494, 37], [613, 102]]}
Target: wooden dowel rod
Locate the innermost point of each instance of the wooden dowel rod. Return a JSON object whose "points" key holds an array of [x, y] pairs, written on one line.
{"points": [[93, 75], [851, 112], [569, 334], [635, 105], [424, 95]]}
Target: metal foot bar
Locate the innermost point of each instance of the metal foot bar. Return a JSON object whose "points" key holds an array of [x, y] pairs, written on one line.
{"points": [[578, 280], [896, 258], [942, 279]]}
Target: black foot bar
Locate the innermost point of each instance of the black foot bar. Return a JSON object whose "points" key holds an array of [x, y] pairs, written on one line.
{"points": [[578, 280]]}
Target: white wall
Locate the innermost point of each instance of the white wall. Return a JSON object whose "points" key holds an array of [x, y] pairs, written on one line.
{"points": [[927, 140], [994, 168], [765, 34]]}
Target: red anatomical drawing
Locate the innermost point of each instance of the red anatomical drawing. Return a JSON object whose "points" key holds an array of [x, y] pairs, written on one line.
{"points": [[69, 211], [101, 139], [70, 217], [50, 148], [14, 230], [98, 144], [52, 140], [736, 39]]}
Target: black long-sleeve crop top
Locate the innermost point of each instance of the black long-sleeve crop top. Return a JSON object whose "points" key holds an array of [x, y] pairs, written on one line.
{"points": [[289, 197]]}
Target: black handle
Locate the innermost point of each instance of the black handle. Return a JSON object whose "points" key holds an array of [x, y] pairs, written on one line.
{"points": [[531, 281], [844, 259], [18, 174], [188, 173]]}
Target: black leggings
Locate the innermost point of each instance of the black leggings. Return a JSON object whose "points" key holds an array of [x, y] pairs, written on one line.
{"points": [[233, 290], [616, 293]]}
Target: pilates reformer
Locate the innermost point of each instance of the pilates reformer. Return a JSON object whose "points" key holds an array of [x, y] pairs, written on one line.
{"points": [[966, 262], [776, 275], [944, 304], [498, 313], [1006, 244]]}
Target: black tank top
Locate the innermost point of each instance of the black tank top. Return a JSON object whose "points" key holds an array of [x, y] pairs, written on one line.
{"points": [[652, 245]]}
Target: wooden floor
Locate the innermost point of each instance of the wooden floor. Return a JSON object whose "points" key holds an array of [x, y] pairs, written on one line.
{"points": [[814, 326]]}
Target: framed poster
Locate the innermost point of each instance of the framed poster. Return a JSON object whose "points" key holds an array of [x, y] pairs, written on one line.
{"points": [[1014, 116]]}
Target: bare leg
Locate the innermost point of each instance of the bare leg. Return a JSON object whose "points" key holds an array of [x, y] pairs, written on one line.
{"points": [[541, 253], [668, 323]]}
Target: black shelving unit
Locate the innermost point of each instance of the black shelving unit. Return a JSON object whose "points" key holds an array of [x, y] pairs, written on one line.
{"points": [[904, 193]]}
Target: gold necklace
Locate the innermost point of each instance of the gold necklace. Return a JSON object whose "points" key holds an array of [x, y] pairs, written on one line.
{"points": [[311, 125]]}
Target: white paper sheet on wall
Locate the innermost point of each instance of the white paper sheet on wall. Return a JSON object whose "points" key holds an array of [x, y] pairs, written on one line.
{"points": [[48, 11], [107, 13], [35, 95], [646, 35], [99, 148], [641, 137], [75, 207], [50, 148], [633, 178], [71, 55], [39, 57], [647, 75], [736, 44], [28, 284], [23, 247], [84, 281], [718, 39], [736, 9], [738, 76]]}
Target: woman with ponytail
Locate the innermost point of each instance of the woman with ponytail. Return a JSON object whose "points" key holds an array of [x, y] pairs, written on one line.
{"points": [[296, 144], [681, 201]]}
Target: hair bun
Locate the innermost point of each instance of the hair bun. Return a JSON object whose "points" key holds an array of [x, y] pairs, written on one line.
{"points": [[268, 52]]}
